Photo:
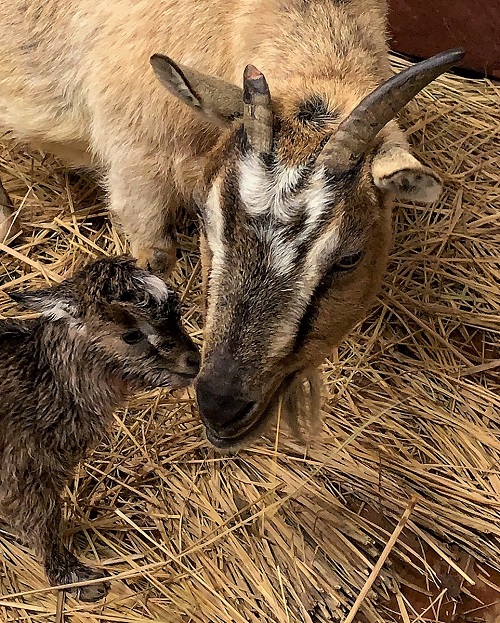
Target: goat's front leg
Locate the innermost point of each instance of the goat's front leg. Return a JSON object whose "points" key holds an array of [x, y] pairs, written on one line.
{"points": [[145, 204], [8, 225], [33, 507]]}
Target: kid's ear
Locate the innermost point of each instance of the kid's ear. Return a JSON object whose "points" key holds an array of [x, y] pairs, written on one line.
{"points": [[49, 302]]}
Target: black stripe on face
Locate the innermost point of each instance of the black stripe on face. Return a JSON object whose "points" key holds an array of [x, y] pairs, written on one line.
{"points": [[310, 315]]}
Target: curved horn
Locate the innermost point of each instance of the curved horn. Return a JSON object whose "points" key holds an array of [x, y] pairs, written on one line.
{"points": [[257, 111], [358, 130]]}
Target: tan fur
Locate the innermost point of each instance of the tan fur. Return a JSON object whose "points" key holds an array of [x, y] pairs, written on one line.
{"points": [[77, 72], [76, 75], [8, 224]]}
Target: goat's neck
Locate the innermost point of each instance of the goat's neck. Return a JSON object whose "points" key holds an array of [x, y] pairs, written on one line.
{"points": [[86, 381]]}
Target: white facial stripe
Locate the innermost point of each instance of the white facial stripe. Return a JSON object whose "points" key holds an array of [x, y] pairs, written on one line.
{"points": [[214, 218], [256, 188], [323, 248], [285, 206], [283, 254], [315, 197], [215, 238]]}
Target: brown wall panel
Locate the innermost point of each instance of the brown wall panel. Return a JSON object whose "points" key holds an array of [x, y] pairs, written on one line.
{"points": [[422, 28]]}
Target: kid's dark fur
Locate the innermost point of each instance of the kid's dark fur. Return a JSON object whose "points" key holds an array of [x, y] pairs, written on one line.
{"points": [[109, 331]]}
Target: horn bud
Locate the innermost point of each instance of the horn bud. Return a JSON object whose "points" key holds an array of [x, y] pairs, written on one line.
{"points": [[257, 111]]}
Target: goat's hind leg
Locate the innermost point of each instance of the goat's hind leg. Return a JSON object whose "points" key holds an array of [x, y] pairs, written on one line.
{"points": [[61, 566], [8, 224], [34, 509]]}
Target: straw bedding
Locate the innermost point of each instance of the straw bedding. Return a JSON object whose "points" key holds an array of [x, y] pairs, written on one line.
{"points": [[284, 532]]}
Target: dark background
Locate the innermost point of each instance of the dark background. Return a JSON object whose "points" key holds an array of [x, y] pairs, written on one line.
{"points": [[421, 28]]}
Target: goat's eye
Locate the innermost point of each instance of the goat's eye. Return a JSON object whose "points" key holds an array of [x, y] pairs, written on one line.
{"points": [[349, 261], [128, 297], [132, 337]]}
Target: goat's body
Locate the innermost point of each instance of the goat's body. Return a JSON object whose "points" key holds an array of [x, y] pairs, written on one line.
{"points": [[55, 419], [75, 80], [42, 440], [61, 378]]}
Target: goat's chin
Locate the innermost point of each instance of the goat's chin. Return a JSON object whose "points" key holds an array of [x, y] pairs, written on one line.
{"points": [[299, 399], [161, 380]]}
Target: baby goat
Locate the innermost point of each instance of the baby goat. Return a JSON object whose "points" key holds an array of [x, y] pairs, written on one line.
{"points": [[111, 330]]}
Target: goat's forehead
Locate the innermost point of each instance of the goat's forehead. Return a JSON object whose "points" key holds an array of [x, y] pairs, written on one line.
{"points": [[282, 192], [279, 211]]}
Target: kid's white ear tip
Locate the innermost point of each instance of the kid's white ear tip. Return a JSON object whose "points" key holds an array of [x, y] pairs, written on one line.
{"points": [[57, 311], [46, 303], [156, 287]]}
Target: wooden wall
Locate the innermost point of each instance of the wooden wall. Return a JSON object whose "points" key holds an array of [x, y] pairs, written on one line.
{"points": [[421, 28]]}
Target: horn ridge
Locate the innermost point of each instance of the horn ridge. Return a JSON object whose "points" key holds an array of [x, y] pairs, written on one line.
{"points": [[358, 130], [257, 113]]}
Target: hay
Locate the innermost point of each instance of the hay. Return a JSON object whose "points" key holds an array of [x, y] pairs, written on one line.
{"points": [[281, 532]]}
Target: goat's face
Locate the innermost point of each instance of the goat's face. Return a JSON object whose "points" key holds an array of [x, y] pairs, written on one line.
{"points": [[121, 321], [296, 228], [293, 254]]}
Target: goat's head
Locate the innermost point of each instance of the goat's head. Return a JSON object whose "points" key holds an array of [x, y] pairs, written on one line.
{"points": [[119, 320], [296, 229]]}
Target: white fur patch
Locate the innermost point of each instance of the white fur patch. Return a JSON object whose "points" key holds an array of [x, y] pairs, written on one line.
{"points": [[61, 310], [315, 199], [271, 192], [215, 239], [156, 287], [257, 190], [322, 250], [264, 192], [215, 226], [282, 253], [56, 311], [214, 216], [315, 196], [151, 335], [285, 206]]}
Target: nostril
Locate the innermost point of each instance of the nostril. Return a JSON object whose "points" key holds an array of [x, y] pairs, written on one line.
{"points": [[193, 360], [189, 362]]}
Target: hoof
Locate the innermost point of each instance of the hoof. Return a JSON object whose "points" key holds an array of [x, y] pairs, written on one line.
{"points": [[81, 573]]}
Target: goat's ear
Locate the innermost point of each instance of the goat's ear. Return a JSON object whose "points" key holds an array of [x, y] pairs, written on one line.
{"points": [[396, 171], [215, 99], [50, 303]]}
